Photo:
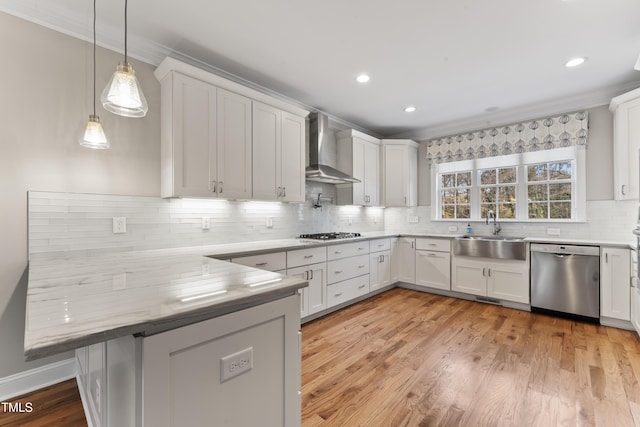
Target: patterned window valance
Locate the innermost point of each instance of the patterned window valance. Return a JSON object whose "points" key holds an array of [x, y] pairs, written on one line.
{"points": [[563, 130]]}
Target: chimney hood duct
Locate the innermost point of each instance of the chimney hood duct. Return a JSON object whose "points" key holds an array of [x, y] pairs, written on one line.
{"points": [[317, 171]]}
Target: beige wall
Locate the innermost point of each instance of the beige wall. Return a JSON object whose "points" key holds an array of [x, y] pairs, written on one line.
{"points": [[599, 159], [46, 103]]}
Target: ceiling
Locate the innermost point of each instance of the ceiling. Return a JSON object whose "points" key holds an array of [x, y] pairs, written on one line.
{"points": [[464, 64]]}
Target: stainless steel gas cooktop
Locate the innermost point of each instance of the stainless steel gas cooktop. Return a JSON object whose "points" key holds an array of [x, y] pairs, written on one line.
{"points": [[330, 236]]}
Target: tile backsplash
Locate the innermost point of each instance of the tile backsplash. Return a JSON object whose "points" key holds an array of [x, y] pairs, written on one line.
{"points": [[82, 223], [62, 222], [607, 221]]}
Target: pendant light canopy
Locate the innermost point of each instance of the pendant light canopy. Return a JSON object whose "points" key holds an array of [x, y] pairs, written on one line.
{"points": [[123, 95], [94, 136]]}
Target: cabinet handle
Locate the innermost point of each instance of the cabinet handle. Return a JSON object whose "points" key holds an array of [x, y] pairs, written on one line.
{"points": [[380, 245], [214, 184], [381, 258], [432, 255], [338, 294], [337, 252], [622, 189], [405, 200], [361, 266], [338, 271], [306, 275], [489, 271], [483, 271], [361, 249], [284, 191], [308, 256], [278, 192], [412, 244], [311, 274], [432, 244], [361, 286], [221, 187], [606, 257], [261, 264]]}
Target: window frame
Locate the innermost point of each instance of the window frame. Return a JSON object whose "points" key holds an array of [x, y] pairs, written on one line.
{"points": [[574, 154]]}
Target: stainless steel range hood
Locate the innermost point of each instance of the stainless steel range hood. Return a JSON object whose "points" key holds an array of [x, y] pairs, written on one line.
{"points": [[317, 170]]}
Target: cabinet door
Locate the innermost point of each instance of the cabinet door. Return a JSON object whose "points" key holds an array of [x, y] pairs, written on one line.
{"points": [[635, 306], [380, 270], [371, 173], [468, 276], [626, 129], [615, 278], [405, 260], [234, 145], [358, 171], [433, 269], [266, 151], [317, 289], [302, 273], [293, 158], [189, 157], [396, 174], [508, 281]]}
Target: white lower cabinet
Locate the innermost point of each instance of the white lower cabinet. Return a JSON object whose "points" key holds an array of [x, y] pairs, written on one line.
{"points": [[314, 297], [501, 279], [615, 278], [184, 377], [635, 305], [433, 269], [349, 289], [379, 270], [403, 260]]}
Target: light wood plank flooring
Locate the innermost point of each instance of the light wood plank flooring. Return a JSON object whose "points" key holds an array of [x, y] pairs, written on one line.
{"points": [[407, 358], [56, 406]]}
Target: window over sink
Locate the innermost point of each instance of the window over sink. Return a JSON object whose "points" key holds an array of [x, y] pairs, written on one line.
{"points": [[534, 186]]}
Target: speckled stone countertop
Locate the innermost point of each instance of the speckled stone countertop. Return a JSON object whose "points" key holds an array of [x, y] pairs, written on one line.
{"points": [[74, 301]]}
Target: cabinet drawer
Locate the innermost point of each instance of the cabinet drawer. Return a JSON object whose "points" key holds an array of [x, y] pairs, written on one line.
{"points": [[306, 256], [380, 245], [272, 262], [347, 249], [347, 290], [347, 268], [440, 245]]}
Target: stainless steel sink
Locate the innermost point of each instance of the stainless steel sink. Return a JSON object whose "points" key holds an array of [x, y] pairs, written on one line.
{"points": [[490, 247]]}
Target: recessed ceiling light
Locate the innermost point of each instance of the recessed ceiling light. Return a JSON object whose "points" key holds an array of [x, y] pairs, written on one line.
{"points": [[410, 109], [574, 62], [363, 78]]}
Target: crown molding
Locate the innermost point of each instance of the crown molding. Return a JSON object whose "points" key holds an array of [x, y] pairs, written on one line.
{"points": [[528, 112]]}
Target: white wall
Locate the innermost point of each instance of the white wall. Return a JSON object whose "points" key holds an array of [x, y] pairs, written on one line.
{"points": [[46, 103]]}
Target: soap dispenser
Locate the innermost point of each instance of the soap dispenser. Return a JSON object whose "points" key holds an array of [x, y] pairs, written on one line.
{"points": [[469, 229]]}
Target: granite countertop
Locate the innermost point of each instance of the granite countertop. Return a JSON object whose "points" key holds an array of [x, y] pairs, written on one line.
{"points": [[74, 301]]}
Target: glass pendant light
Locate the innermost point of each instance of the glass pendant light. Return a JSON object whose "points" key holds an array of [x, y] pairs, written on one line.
{"points": [[123, 95], [94, 136]]}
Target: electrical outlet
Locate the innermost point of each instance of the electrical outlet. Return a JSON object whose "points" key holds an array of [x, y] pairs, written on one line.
{"points": [[206, 222], [119, 225], [413, 219], [349, 220], [453, 228], [119, 281], [269, 222], [235, 364], [205, 269], [553, 231]]}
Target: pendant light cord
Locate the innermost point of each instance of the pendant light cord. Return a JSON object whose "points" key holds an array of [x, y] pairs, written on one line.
{"points": [[125, 32], [94, 57]]}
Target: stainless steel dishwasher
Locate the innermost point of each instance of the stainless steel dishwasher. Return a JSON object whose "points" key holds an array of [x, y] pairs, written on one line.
{"points": [[566, 280]]}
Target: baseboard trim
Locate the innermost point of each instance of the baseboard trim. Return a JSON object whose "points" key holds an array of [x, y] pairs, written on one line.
{"points": [[37, 378]]}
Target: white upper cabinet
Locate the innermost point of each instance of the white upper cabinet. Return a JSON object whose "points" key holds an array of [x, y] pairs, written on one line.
{"points": [[626, 143], [399, 172], [212, 146], [234, 146], [359, 156]]}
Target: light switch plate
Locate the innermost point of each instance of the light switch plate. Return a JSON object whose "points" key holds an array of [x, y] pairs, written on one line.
{"points": [[206, 222], [553, 231], [413, 219], [269, 222], [453, 228]]}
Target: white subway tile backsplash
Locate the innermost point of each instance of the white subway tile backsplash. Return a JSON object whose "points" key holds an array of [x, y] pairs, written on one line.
{"points": [[83, 222]]}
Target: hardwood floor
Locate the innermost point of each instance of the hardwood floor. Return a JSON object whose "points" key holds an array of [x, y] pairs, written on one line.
{"points": [[407, 358], [56, 406]]}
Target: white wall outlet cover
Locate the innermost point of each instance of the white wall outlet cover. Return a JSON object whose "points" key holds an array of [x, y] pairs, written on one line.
{"points": [[453, 228], [119, 225], [236, 364], [349, 220], [119, 281], [206, 222], [269, 222], [413, 219], [553, 231]]}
